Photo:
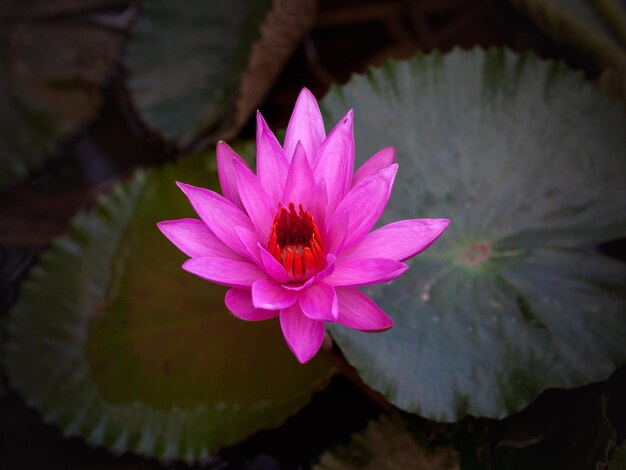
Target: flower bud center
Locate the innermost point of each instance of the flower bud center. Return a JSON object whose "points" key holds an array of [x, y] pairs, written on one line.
{"points": [[296, 242]]}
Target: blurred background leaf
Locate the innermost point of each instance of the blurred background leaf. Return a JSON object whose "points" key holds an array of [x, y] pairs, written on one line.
{"points": [[573, 433], [54, 59], [597, 28], [526, 159], [387, 444], [202, 67]]}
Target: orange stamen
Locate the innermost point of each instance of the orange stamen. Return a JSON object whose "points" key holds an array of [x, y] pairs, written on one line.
{"points": [[296, 242], [288, 261], [298, 271], [309, 262]]}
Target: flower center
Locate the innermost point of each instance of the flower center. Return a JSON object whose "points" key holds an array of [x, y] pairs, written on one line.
{"points": [[296, 242]]}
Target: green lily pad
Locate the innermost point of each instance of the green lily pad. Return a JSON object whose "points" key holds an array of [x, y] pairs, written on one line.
{"points": [[112, 341], [202, 67], [527, 160], [46, 93]]}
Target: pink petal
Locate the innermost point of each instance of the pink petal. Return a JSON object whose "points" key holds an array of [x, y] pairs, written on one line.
{"points": [[360, 272], [239, 301], [303, 335], [300, 181], [382, 159], [337, 231], [331, 262], [224, 271], [298, 287], [306, 125], [270, 295], [317, 204], [358, 311], [248, 243], [258, 204], [219, 214], [271, 162], [319, 302], [335, 161], [272, 266], [399, 240], [192, 237], [364, 205], [226, 157]]}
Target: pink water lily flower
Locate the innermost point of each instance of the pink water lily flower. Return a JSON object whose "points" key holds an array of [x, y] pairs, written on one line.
{"points": [[294, 240]]}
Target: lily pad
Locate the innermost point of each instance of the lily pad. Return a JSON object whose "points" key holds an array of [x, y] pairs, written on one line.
{"points": [[527, 160], [46, 93], [114, 342], [201, 67]]}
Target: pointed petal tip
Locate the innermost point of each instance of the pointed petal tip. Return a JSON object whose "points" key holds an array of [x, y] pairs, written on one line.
{"points": [[306, 92], [186, 265], [223, 146], [384, 323], [392, 276], [389, 153], [305, 96], [440, 224], [348, 118], [443, 224], [261, 126], [303, 336], [260, 119], [359, 312], [164, 226], [303, 359], [304, 355], [184, 187]]}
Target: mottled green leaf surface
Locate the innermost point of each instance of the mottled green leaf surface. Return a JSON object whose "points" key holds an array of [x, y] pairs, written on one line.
{"points": [[187, 60], [527, 160], [114, 342]]}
